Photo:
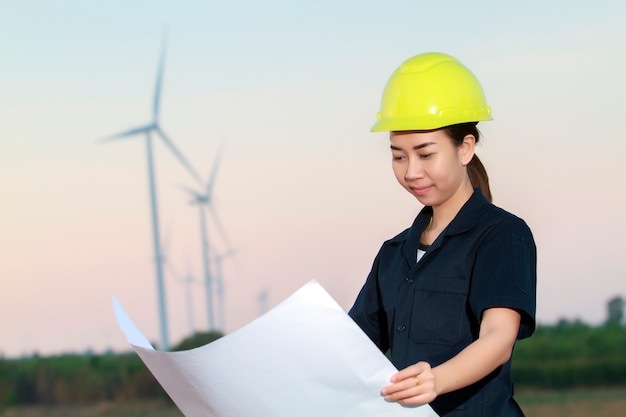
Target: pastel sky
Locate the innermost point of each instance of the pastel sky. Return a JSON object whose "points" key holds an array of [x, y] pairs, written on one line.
{"points": [[304, 190]]}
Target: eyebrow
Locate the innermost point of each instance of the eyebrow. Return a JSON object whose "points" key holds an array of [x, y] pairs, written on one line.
{"points": [[415, 148]]}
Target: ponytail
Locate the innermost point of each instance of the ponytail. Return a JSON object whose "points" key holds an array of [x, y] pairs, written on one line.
{"points": [[475, 169], [478, 176]]}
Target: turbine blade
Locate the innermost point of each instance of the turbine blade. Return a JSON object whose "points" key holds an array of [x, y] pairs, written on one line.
{"points": [[127, 133], [220, 257], [170, 268], [196, 195], [213, 174], [159, 82], [178, 155]]}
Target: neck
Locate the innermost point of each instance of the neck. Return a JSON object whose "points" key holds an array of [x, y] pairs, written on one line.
{"points": [[445, 212]]}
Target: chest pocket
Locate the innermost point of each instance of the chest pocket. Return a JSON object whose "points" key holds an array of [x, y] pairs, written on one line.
{"points": [[439, 314]]}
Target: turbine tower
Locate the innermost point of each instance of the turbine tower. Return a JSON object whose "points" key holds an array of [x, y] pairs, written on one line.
{"points": [[262, 299], [188, 280], [148, 129], [205, 199], [219, 286]]}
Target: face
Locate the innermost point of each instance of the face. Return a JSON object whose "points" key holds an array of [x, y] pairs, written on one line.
{"points": [[431, 167]]}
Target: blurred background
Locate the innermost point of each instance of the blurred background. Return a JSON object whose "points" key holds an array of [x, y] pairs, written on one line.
{"points": [[278, 97]]}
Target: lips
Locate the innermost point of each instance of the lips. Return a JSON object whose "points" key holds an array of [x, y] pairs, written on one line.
{"points": [[420, 190]]}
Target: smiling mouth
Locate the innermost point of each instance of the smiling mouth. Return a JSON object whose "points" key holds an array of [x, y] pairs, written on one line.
{"points": [[420, 190]]}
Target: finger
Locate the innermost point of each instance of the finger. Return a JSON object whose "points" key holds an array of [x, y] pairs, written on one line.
{"points": [[402, 387], [406, 391], [410, 371]]}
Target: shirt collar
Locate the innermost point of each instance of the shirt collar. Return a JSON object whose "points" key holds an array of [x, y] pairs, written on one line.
{"points": [[466, 218], [469, 214]]}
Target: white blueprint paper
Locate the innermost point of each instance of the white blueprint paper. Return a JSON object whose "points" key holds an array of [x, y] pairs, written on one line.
{"points": [[304, 358]]}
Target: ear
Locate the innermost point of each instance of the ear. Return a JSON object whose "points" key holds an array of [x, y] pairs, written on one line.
{"points": [[466, 150]]}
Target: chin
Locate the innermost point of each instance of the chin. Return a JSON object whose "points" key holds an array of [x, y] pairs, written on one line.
{"points": [[425, 200]]}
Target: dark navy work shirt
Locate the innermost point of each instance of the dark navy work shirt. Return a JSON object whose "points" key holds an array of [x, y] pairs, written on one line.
{"points": [[431, 310]]}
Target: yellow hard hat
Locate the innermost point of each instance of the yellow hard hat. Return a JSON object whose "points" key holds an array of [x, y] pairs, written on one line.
{"points": [[430, 91]]}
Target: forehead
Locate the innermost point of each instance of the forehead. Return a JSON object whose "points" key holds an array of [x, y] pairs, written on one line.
{"points": [[411, 139]]}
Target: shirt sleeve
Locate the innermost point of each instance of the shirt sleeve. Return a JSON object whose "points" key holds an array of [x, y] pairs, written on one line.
{"points": [[505, 273], [368, 311]]}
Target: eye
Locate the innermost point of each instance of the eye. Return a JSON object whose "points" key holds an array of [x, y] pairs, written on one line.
{"points": [[426, 155], [397, 157]]}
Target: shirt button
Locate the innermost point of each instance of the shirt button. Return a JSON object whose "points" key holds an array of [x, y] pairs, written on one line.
{"points": [[401, 328]]}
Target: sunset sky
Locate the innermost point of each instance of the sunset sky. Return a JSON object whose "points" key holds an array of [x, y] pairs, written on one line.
{"points": [[304, 190]]}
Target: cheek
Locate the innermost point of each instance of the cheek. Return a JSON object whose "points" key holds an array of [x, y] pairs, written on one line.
{"points": [[448, 167], [398, 171], [454, 172]]}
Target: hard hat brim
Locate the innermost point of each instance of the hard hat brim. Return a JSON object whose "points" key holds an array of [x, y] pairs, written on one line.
{"points": [[393, 124]]}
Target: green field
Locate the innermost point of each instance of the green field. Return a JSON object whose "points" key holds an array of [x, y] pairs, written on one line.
{"points": [[571, 403], [574, 403]]}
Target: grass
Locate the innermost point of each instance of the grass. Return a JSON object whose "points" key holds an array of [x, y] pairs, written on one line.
{"points": [[572, 403], [103, 409], [610, 402]]}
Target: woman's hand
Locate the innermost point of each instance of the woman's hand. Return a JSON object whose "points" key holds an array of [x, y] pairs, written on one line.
{"points": [[413, 385], [494, 346]]}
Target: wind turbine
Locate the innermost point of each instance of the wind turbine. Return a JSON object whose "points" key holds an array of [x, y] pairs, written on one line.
{"points": [[205, 199], [262, 299], [148, 129], [188, 280], [219, 285]]}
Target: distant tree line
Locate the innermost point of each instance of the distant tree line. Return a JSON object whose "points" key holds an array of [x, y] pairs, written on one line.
{"points": [[567, 355], [83, 379], [572, 354], [75, 379]]}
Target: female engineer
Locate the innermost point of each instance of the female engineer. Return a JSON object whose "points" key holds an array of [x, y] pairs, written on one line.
{"points": [[449, 296]]}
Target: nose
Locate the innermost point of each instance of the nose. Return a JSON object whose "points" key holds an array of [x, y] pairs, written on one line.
{"points": [[413, 170]]}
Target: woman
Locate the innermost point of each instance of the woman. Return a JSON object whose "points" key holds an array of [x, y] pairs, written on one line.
{"points": [[449, 296]]}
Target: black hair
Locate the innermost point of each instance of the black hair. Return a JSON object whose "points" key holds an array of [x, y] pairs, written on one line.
{"points": [[475, 169]]}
